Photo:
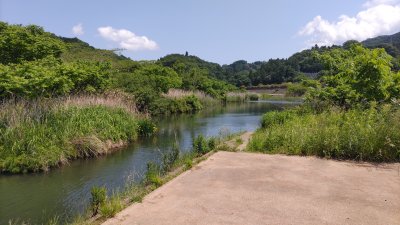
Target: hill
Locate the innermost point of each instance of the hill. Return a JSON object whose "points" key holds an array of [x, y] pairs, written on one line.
{"points": [[391, 43]]}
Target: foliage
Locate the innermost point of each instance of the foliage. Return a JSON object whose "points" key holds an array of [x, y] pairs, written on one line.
{"points": [[356, 75], [27, 43], [49, 77], [170, 158], [391, 43], [147, 83], [153, 174], [38, 135], [198, 74], [146, 127], [98, 198], [275, 118], [296, 90], [275, 71], [371, 135], [111, 207], [202, 145]]}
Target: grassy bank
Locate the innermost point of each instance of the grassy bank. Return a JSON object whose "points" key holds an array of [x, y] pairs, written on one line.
{"points": [[37, 135], [370, 135]]}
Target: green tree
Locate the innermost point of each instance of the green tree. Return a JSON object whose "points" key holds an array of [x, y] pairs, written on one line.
{"points": [[27, 43], [356, 75]]}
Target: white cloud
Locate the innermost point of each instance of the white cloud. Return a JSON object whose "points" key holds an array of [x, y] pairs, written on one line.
{"points": [[127, 39], [78, 29], [373, 3], [379, 17]]}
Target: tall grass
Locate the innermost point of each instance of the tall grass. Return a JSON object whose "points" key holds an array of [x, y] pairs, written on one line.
{"points": [[37, 135], [180, 94], [371, 135], [241, 96]]}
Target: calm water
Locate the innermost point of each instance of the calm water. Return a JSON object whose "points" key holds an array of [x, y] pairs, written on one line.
{"points": [[66, 191]]}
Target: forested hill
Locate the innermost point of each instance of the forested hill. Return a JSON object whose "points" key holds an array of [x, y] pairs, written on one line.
{"points": [[32, 43], [391, 43]]}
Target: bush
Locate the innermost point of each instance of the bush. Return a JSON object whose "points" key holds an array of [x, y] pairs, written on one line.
{"points": [[296, 90], [99, 195], [200, 145], [27, 43], [152, 176], [253, 97], [170, 158], [49, 77], [146, 127], [111, 207], [275, 118]]}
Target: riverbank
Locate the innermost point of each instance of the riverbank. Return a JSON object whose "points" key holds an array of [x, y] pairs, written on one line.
{"points": [[249, 188], [38, 135], [357, 134]]}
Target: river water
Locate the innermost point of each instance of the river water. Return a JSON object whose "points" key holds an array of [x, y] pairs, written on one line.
{"points": [[65, 191]]}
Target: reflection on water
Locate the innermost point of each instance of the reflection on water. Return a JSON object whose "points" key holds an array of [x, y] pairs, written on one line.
{"points": [[66, 190]]}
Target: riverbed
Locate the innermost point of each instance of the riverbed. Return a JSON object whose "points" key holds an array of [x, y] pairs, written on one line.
{"points": [[65, 191]]}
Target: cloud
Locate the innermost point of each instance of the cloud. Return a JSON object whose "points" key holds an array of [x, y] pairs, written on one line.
{"points": [[378, 17], [127, 39], [78, 29], [373, 3]]}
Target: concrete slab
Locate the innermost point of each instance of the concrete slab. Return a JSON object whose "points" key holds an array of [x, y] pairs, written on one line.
{"points": [[246, 188]]}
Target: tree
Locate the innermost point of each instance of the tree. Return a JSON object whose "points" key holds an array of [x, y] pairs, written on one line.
{"points": [[19, 43], [356, 75]]}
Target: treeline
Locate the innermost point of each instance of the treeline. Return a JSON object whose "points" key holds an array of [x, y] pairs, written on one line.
{"points": [[35, 63], [302, 65]]}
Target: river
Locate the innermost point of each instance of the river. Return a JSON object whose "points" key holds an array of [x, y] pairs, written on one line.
{"points": [[65, 191]]}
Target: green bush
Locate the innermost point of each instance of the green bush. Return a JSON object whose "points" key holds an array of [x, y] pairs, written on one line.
{"points": [[99, 195], [27, 43], [170, 158], [111, 207], [296, 90], [200, 145], [275, 118], [355, 76], [49, 77], [146, 127], [253, 97], [162, 105], [153, 174]]}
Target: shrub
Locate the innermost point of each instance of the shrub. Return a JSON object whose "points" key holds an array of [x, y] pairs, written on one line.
{"points": [[253, 97], [49, 77], [111, 207], [170, 158], [98, 198], [296, 90], [146, 127], [152, 176], [200, 145], [275, 118]]}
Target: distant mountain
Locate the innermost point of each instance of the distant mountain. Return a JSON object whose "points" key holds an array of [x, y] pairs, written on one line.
{"points": [[391, 43]]}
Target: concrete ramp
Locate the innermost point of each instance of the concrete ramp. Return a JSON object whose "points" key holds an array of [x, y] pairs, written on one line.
{"points": [[245, 188]]}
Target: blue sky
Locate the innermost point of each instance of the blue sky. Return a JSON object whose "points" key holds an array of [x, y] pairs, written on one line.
{"points": [[216, 30]]}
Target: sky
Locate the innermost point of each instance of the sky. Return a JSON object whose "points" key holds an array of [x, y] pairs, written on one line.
{"points": [[221, 31]]}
